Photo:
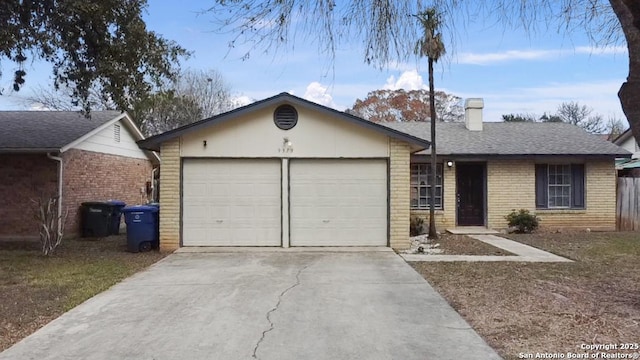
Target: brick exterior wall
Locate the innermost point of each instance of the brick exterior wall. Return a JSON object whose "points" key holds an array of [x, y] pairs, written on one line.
{"points": [[92, 176], [600, 200], [399, 202], [511, 185], [170, 196], [23, 178]]}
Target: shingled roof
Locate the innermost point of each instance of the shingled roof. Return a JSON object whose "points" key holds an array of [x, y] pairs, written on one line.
{"points": [[512, 139], [47, 130], [153, 143]]}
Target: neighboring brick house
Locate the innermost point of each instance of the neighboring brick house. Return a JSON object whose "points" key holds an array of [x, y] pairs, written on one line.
{"points": [[557, 171], [100, 161], [288, 172]]}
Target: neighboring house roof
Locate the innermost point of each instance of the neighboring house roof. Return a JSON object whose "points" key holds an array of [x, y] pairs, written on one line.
{"points": [[625, 164], [40, 131], [153, 143], [623, 137], [512, 139], [57, 131]]}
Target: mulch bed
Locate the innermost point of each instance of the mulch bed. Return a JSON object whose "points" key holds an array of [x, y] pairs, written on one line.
{"points": [[451, 244]]}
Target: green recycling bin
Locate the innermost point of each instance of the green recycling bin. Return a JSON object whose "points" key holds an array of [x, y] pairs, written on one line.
{"points": [[95, 219]]}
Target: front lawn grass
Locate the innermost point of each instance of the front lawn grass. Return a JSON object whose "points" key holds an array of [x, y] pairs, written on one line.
{"points": [[534, 308], [35, 289]]}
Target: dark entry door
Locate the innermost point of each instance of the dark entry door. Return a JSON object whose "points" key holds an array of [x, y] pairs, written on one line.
{"points": [[470, 178]]}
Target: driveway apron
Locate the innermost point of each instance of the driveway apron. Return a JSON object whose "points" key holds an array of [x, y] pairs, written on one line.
{"points": [[275, 305]]}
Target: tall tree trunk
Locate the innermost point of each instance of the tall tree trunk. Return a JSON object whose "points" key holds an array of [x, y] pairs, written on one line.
{"points": [[433, 234], [628, 13]]}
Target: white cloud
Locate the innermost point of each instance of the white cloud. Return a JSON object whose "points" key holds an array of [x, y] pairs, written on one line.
{"points": [[408, 80], [318, 93], [241, 100], [38, 107], [509, 55], [606, 50], [514, 55]]}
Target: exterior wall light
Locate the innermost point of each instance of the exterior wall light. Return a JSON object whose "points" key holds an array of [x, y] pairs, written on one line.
{"points": [[449, 163], [287, 146]]}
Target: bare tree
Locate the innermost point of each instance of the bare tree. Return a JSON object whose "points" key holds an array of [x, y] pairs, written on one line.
{"points": [[208, 89], [50, 222], [581, 115], [384, 30], [431, 46], [164, 111], [195, 95], [63, 99], [615, 128]]}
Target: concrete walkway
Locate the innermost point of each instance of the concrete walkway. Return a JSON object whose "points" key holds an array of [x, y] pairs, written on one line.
{"points": [[523, 253], [278, 305]]}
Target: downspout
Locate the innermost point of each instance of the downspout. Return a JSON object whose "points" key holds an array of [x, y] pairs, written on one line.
{"points": [[153, 184], [59, 160]]}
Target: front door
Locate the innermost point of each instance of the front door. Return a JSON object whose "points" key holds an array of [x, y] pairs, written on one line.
{"points": [[470, 180]]}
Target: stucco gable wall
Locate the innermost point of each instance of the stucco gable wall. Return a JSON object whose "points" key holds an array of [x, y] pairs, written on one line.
{"points": [[631, 146], [314, 136], [105, 142]]}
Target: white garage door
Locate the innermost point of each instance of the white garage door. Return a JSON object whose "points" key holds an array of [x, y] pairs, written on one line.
{"points": [[338, 202], [231, 202]]}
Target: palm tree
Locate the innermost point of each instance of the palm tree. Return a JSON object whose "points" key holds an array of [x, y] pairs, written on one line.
{"points": [[431, 46]]}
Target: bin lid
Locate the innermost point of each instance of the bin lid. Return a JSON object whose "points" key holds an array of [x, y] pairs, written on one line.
{"points": [[116, 202], [95, 203], [143, 208]]}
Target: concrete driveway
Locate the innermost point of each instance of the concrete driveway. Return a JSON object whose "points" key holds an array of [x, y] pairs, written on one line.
{"points": [[267, 305]]}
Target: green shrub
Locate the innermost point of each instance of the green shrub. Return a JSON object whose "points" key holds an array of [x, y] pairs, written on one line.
{"points": [[416, 226], [522, 221]]}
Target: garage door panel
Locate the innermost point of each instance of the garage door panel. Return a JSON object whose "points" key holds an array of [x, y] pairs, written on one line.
{"points": [[231, 202], [338, 202]]}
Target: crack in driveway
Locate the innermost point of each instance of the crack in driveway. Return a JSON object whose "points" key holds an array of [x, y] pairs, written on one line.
{"points": [[274, 309]]}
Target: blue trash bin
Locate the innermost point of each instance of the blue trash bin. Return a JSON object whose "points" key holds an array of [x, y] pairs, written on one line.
{"points": [[142, 227], [116, 215]]}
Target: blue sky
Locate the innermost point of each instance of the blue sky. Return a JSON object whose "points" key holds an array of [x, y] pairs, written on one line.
{"points": [[514, 72]]}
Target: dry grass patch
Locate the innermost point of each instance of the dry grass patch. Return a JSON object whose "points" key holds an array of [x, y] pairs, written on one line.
{"points": [[549, 307], [35, 289]]}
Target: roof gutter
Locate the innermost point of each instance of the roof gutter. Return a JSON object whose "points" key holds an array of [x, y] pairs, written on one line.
{"points": [[60, 167], [27, 150]]}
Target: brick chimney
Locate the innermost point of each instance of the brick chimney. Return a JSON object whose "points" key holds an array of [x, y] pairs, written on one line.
{"points": [[473, 113]]}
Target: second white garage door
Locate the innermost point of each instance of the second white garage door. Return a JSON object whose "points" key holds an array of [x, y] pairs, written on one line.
{"points": [[231, 202], [338, 202]]}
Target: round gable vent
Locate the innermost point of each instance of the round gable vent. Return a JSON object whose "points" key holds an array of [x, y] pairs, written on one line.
{"points": [[285, 117]]}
